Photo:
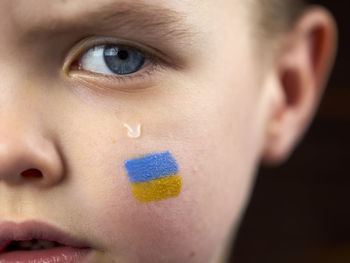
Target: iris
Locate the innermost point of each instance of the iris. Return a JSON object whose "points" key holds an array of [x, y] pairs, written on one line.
{"points": [[122, 60]]}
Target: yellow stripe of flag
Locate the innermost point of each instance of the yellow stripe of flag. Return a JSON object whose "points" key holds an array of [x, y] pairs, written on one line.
{"points": [[157, 189]]}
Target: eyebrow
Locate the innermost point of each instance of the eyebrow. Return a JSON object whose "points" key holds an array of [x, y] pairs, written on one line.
{"points": [[121, 19], [154, 20]]}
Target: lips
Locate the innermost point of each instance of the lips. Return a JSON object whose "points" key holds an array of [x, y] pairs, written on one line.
{"points": [[51, 244]]}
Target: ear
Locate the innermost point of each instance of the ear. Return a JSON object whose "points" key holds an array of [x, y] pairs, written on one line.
{"points": [[299, 73]]}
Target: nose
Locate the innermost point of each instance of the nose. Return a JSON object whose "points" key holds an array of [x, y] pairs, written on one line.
{"points": [[27, 156]]}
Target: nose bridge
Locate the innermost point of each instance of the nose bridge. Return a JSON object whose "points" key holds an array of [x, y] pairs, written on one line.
{"points": [[21, 100], [18, 90]]}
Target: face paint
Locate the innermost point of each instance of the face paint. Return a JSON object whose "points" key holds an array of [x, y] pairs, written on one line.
{"points": [[154, 177]]}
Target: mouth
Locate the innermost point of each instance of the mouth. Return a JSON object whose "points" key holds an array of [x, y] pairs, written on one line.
{"points": [[34, 242]]}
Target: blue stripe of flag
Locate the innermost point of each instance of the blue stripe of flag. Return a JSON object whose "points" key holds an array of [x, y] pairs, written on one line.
{"points": [[151, 166]]}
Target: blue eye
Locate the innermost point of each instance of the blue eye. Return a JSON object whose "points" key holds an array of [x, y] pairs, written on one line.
{"points": [[112, 60]]}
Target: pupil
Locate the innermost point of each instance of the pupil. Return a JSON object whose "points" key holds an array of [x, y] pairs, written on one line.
{"points": [[123, 54]]}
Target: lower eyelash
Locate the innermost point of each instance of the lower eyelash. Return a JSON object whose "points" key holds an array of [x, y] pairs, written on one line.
{"points": [[141, 75]]}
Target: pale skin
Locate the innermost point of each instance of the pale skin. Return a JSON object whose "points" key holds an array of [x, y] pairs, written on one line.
{"points": [[217, 105]]}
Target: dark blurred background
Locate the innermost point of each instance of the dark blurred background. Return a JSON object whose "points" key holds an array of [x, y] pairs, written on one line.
{"points": [[299, 212]]}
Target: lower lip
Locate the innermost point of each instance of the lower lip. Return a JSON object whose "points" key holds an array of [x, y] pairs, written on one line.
{"points": [[51, 255]]}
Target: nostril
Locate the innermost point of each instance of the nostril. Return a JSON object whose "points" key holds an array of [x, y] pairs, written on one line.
{"points": [[31, 173]]}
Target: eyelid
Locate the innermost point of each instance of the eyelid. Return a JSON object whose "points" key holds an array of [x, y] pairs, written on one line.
{"points": [[83, 46]]}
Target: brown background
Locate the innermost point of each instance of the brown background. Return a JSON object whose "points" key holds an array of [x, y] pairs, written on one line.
{"points": [[300, 212]]}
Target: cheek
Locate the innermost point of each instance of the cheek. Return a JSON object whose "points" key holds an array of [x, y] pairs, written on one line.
{"points": [[194, 222]]}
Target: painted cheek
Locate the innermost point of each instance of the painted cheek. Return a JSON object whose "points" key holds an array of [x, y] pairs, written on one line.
{"points": [[154, 177]]}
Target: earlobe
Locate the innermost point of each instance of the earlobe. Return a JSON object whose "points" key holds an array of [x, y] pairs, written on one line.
{"points": [[300, 73]]}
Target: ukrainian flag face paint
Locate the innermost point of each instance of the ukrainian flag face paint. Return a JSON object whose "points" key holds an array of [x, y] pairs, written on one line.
{"points": [[154, 177]]}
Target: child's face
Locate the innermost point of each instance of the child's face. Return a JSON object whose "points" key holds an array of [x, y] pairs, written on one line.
{"points": [[202, 103]]}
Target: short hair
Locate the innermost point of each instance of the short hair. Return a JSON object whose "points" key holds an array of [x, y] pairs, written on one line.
{"points": [[276, 16]]}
